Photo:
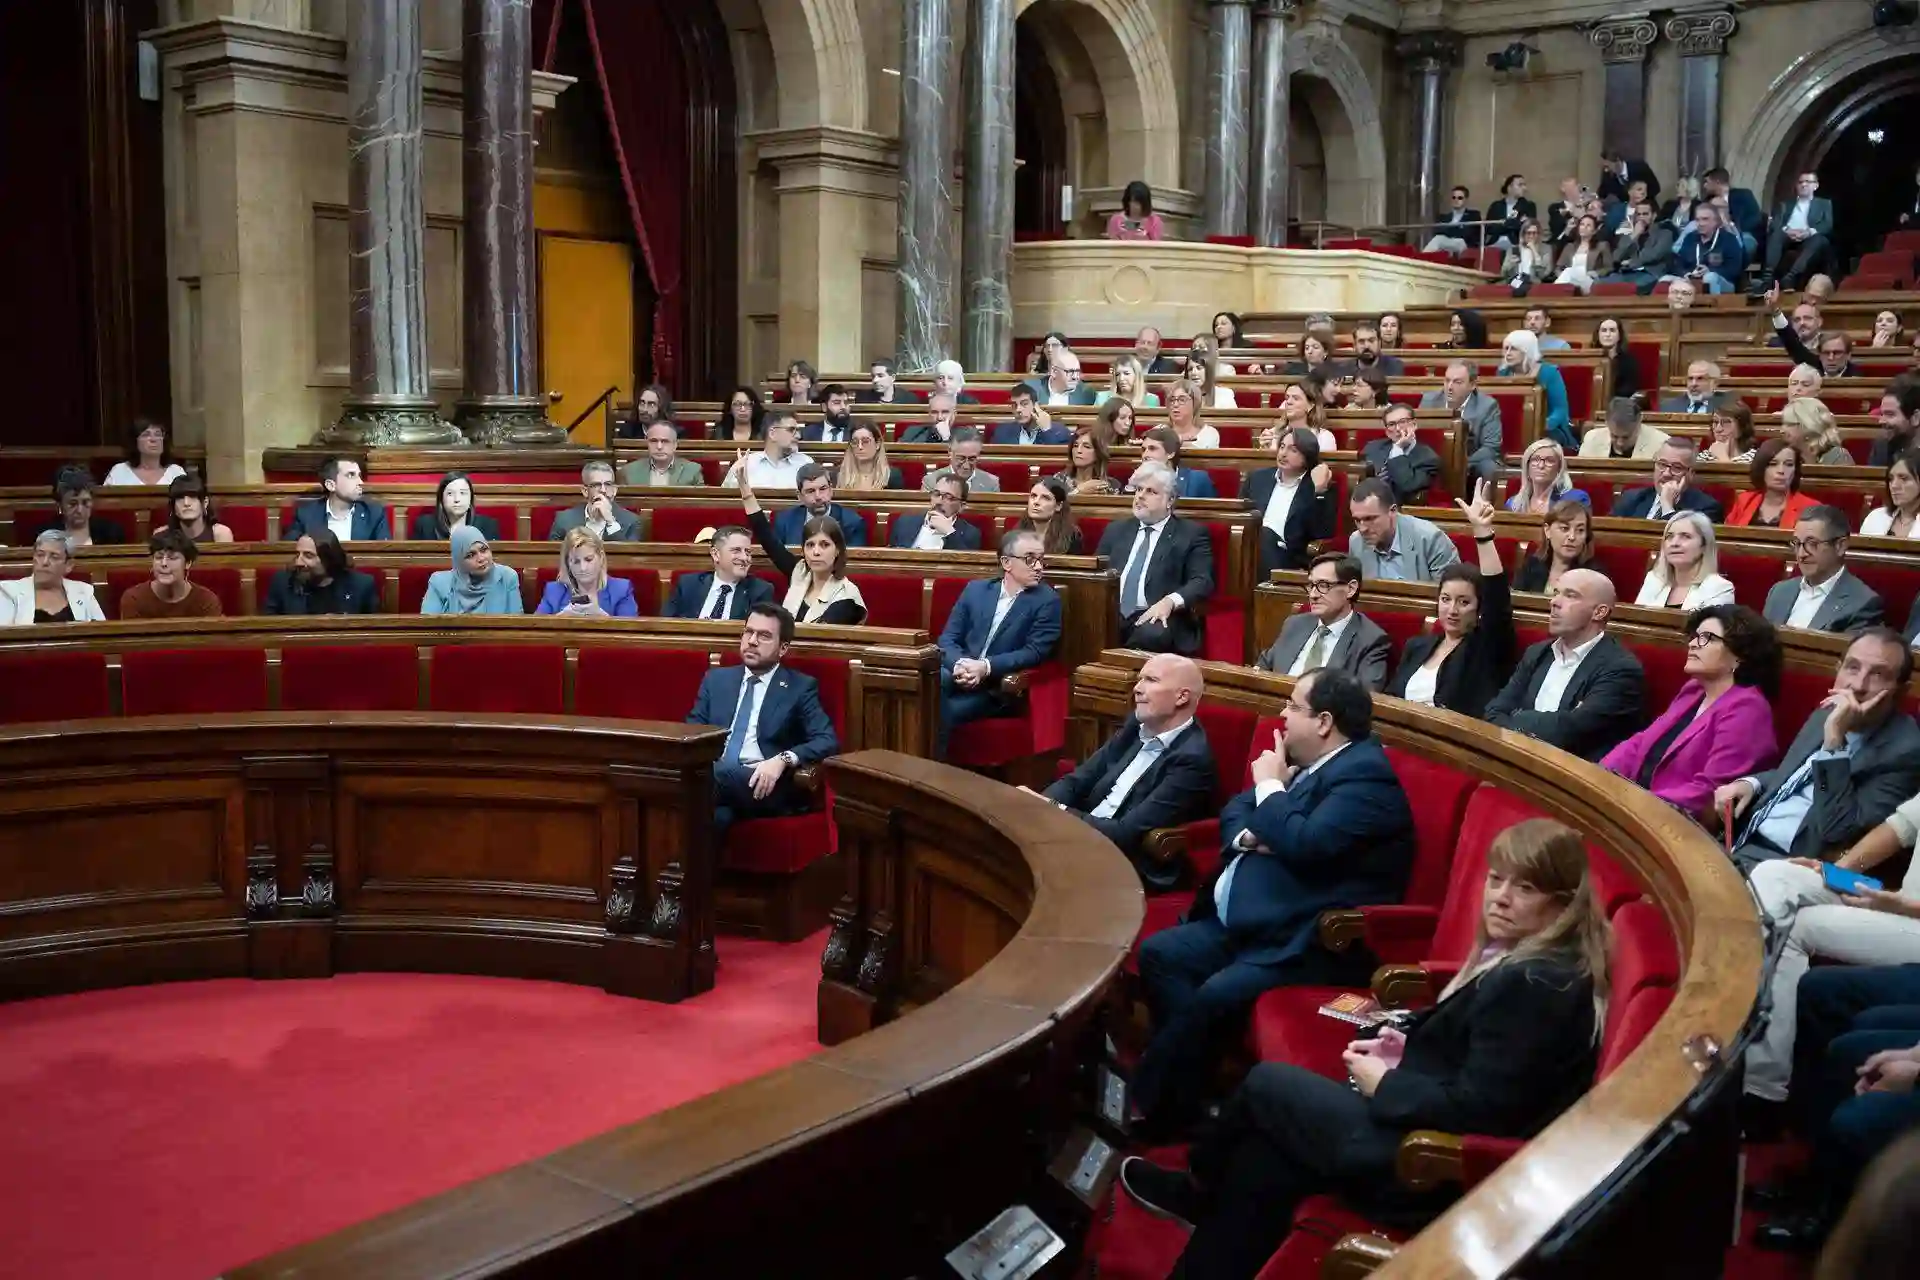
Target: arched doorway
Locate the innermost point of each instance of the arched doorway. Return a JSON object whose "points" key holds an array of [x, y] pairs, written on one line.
{"points": [[1306, 162], [1039, 140], [1859, 137]]}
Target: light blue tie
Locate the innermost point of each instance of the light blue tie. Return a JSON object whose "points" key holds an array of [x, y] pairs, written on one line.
{"points": [[742, 716], [1136, 572]]}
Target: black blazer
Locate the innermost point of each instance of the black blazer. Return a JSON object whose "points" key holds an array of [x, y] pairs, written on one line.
{"points": [[1310, 518], [423, 527], [965, 537], [1182, 561], [369, 521], [867, 395], [1509, 216], [690, 592], [1478, 667], [841, 613], [1410, 475], [351, 592], [1176, 788], [1601, 708], [1634, 504]]}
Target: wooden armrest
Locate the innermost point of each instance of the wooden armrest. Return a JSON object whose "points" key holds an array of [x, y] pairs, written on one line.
{"points": [[1429, 1158], [1341, 929], [1357, 1254], [1403, 986], [807, 779], [1165, 845]]}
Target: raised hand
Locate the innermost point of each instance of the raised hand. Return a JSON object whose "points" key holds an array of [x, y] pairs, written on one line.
{"points": [[1479, 512]]}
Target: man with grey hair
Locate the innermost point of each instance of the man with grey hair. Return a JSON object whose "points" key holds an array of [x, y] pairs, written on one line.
{"points": [[1165, 564], [1062, 384], [949, 377], [1146, 349], [998, 626], [597, 510], [1478, 416], [939, 426], [1626, 434], [1580, 689], [1672, 490], [1703, 383], [963, 460]]}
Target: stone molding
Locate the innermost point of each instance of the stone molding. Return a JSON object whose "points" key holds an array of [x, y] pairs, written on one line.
{"points": [[1701, 35], [1625, 40]]}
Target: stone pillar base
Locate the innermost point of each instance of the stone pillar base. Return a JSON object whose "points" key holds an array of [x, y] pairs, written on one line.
{"points": [[390, 420], [508, 422]]}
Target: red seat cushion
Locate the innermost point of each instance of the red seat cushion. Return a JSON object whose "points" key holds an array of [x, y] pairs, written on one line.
{"points": [[946, 593], [53, 686], [1489, 812], [224, 583], [499, 678], [368, 677], [680, 523], [206, 681], [413, 588], [249, 523], [1164, 911], [1628, 1025], [543, 518], [779, 846], [1014, 477], [1039, 727], [638, 684], [1287, 1026], [835, 679], [1441, 793], [893, 600], [1229, 733]]}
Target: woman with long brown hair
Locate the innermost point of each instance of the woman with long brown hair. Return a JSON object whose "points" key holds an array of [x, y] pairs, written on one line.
{"points": [[1050, 515], [1087, 458]]}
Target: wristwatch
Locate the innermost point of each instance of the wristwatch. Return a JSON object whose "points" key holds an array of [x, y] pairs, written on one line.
{"points": [[791, 759]]}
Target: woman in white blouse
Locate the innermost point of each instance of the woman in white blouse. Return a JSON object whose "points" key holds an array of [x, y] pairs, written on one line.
{"points": [[1900, 517], [1300, 407], [1183, 415], [1687, 574], [48, 595], [149, 456]]}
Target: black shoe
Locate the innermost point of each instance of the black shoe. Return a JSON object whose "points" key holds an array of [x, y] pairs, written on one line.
{"points": [[1762, 1119], [1799, 1233], [1787, 1196], [1164, 1193]]}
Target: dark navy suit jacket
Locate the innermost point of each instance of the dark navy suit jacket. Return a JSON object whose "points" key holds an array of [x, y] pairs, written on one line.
{"points": [[1009, 433], [1341, 836], [369, 521], [1635, 503], [1026, 638], [690, 592], [789, 523], [791, 717], [965, 537]]}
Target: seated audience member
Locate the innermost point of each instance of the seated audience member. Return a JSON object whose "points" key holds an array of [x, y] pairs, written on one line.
{"points": [[1642, 256], [1136, 219], [1803, 383], [836, 421], [653, 404], [1316, 355], [1326, 826], [1390, 545], [1147, 350], [816, 500], [1029, 426], [940, 528], [741, 422], [1566, 542], [453, 507], [774, 722], [730, 589], [1719, 727], [1672, 490], [190, 510], [1399, 458], [1041, 360], [1115, 423], [1368, 355], [1586, 256], [1703, 386], [818, 589], [1087, 458], [1626, 435], [1129, 384], [1151, 773], [1823, 596], [1294, 499], [1739, 209], [1331, 633], [47, 594], [1709, 256], [582, 588], [1732, 431], [1509, 213], [1544, 481], [1162, 445], [1581, 690], [800, 379], [1304, 404], [1810, 427], [950, 377], [1204, 372], [1528, 261], [476, 583], [1680, 295], [1464, 664], [1834, 350], [1899, 421], [1806, 223], [1686, 573], [864, 466], [1888, 331], [998, 626], [1050, 518], [1459, 231], [1539, 322], [1853, 761], [1165, 565], [940, 424], [1610, 339], [1367, 389], [1513, 1042], [777, 466], [663, 467], [1477, 413], [320, 580], [73, 495], [169, 594], [598, 511], [1183, 416], [1466, 330], [343, 509], [884, 389], [1390, 330], [149, 459], [963, 463], [1062, 384], [1774, 501], [1899, 515]]}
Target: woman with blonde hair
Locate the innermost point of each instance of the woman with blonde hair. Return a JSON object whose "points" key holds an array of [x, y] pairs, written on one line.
{"points": [[1803, 382], [1087, 458], [1687, 573], [582, 588], [1544, 480], [864, 464], [1129, 384], [1810, 427], [1183, 415]]}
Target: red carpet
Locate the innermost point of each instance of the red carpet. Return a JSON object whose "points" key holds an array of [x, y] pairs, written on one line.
{"points": [[172, 1131]]}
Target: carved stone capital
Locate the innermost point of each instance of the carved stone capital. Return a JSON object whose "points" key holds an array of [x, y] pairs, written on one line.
{"points": [[499, 422], [389, 420], [1275, 10], [1701, 35], [1429, 52], [1625, 40]]}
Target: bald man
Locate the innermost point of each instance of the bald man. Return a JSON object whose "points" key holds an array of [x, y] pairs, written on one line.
{"points": [[1157, 771], [1582, 690]]}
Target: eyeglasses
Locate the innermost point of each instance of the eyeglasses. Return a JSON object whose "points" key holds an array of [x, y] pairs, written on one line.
{"points": [[1701, 639], [1033, 560], [1673, 468], [1811, 544], [1320, 586]]}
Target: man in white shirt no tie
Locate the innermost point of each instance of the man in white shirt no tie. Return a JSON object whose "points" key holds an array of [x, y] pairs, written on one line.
{"points": [[1824, 597], [1582, 690], [778, 465]]}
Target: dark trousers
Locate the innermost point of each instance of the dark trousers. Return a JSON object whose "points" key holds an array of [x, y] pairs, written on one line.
{"points": [[1815, 254], [1828, 1004], [958, 706], [1175, 635], [733, 799], [1859, 1127]]}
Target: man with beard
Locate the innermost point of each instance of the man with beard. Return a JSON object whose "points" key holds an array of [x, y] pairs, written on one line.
{"points": [[653, 404], [321, 580], [838, 422]]}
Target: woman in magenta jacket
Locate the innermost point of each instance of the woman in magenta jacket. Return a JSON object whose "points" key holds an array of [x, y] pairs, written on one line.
{"points": [[1719, 727]]}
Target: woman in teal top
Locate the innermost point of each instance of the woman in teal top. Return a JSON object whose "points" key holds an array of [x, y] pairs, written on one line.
{"points": [[1129, 383], [475, 584], [1520, 358]]}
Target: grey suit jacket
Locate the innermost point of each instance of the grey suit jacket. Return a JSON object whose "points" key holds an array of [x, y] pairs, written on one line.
{"points": [[573, 517], [1851, 796], [1423, 548], [1362, 650], [1481, 413], [1851, 603]]}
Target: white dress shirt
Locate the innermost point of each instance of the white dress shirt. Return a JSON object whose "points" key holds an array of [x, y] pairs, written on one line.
{"points": [[1334, 632], [750, 740], [1280, 504], [1779, 822], [1136, 768], [1797, 220], [713, 594], [1001, 608], [927, 539], [341, 527], [1262, 792], [1808, 601], [1057, 397], [1560, 672], [765, 473], [1422, 685], [1879, 524]]}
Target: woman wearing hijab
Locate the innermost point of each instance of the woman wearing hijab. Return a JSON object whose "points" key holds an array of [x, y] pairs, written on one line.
{"points": [[475, 584], [582, 589]]}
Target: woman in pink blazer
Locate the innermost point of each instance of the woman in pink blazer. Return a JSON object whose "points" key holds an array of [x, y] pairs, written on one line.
{"points": [[1720, 725]]}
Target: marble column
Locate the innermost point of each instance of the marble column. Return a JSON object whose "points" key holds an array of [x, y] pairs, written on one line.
{"points": [[390, 402], [925, 249], [1272, 121], [986, 209], [1229, 53], [1428, 56], [502, 404], [1624, 44], [1702, 38]]}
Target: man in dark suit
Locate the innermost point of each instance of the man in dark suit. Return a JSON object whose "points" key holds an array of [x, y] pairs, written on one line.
{"points": [[1824, 596], [883, 390], [1408, 466], [1703, 385], [1155, 771], [727, 592], [836, 425], [1672, 490], [1852, 764], [1326, 826], [940, 424], [1459, 230], [774, 721], [351, 517], [1029, 425], [1331, 633], [816, 499], [1581, 690], [1165, 564], [1618, 174], [1806, 221], [1146, 349], [1367, 354], [598, 510], [1163, 445], [998, 626], [320, 580], [941, 528], [1741, 209]]}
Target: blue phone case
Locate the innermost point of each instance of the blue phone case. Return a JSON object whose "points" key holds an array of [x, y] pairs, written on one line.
{"points": [[1841, 880]]}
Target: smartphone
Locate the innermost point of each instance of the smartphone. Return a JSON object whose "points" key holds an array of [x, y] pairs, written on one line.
{"points": [[581, 597], [1841, 880]]}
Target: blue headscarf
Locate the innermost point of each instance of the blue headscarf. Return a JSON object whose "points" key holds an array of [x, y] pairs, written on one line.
{"points": [[485, 594]]}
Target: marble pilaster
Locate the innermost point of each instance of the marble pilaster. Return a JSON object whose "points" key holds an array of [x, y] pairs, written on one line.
{"points": [[1428, 56], [389, 400], [1702, 39], [1624, 44], [1229, 56], [1272, 160], [986, 221], [925, 264]]}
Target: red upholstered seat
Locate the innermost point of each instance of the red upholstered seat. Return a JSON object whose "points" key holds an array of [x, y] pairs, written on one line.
{"points": [[413, 588], [1490, 291], [1614, 288], [778, 846], [638, 684], [1550, 290], [681, 523], [1091, 529], [543, 518], [912, 472], [1233, 435], [1801, 692], [249, 523], [1629, 1024], [893, 600], [1401, 625], [498, 678], [369, 677], [989, 536], [646, 588], [1613, 885], [224, 583], [1897, 584], [53, 686], [1625, 566], [1014, 477], [1665, 666], [1599, 493], [1439, 793], [1226, 480], [212, 680]]}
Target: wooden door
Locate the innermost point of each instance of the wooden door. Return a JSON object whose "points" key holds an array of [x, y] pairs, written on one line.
{"points": [[586, 327]]}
